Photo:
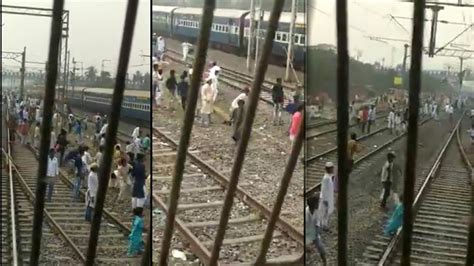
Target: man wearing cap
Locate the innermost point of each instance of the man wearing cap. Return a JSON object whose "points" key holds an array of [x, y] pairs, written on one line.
{"points": [[207, 96], [326, 204], [389, 177]]}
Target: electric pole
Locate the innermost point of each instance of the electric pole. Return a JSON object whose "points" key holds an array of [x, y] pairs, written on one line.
{"points": [[260, 19], [294, 6], [22, 72], [405, 59], [434, 27], [251, 32]]}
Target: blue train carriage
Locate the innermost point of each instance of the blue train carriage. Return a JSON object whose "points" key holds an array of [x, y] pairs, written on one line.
{"points": [[280, 45], [135, 105], [228, 29], [186, 23], [162, 17]]}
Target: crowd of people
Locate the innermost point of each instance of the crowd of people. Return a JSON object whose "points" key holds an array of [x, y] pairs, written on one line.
{"points": [[73, 151]]}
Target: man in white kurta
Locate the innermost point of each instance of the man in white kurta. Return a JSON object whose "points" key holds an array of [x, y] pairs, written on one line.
{"points": [[214, 73], [207, 96], [391, 121], [186, 46], [161, 47], [135, 133], [326, 203]]}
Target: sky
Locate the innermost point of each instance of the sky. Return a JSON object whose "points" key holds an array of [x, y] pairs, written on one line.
{"points": [[372, 18], [95, 33]]}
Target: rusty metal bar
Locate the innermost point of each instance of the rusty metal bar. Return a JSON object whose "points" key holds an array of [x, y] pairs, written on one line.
{"points": [[51, 77], [250, 111], [200, 60], [414, 103], [342, 133], [117, 97], [285, 181]]}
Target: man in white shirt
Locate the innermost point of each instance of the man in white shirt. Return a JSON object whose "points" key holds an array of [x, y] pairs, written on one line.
{"points": [[186, 46], [326, 204], [103, 130], [214, 73], [52, 172]]}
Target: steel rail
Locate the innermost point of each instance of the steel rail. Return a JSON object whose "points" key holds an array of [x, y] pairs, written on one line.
{"points": [[196, 246], [316, 187], [284, 184], [249, 117], [397, 238], [413, 109], [117, 98], [282, 224], [12, 195], [203, 42], [49, 97], [470, 241], [70, 183], [48, 216], [343, 118]]}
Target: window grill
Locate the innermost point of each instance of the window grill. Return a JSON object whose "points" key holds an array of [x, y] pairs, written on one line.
{"points": [[211, 258], [49, 102]]}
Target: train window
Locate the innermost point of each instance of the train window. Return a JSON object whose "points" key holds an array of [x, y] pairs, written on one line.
{"points": [[303, 39], [284, 37], [296, 38], [278, 36], [246, 32]]}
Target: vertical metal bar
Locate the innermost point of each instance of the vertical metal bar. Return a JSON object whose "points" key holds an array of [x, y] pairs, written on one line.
{"points": [[50, 90], [414, 103], [117, 97], [342, 132], [285, 181], [146, 257], [470, 239], [250, 111], [203, 42]]}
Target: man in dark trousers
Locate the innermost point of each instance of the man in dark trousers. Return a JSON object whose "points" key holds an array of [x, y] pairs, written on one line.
{"points": [[277, 98], [183, 86], [389, 177]]}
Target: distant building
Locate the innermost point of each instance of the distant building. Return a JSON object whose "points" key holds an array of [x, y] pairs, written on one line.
{"points": [[325, 46]]}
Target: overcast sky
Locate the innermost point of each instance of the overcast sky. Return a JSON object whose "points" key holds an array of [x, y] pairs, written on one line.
{"points": [[95, 33], [372, 18]]}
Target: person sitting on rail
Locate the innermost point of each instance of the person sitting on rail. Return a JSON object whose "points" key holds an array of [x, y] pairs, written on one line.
{"points": [[313, 229], [136, 244], [278, 98], [326, 205], [396, 220]]}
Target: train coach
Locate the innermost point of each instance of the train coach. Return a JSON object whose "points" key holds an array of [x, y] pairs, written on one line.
{"points": [[135, 105], [230, 29]]}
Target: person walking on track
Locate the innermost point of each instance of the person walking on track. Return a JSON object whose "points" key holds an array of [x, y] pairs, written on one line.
{"points": [[52, 173], [91, 194], [136, 244], [139, 176], [353, 147], [313, 228], [234, 105], [326, 204], [389, 176], [278, 99]]}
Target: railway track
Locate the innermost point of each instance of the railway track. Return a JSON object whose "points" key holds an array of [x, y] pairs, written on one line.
{"points": [[239, 81], [442, 209], [373, 144], [201, 200]]}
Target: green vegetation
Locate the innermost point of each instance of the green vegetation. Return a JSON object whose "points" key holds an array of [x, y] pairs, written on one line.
{"points": [[321, 75]]}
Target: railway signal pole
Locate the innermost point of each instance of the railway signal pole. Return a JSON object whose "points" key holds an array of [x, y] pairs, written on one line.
{"points": [[22, 71], [251, 32], [294, 6]]}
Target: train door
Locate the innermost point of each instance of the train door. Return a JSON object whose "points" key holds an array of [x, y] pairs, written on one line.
{"points": [[233, 33]]}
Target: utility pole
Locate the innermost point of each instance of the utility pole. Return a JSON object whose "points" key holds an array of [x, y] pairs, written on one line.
{"points": [[73, 75], [405, 59], [461, 73], [251, 33], [294, 6], [260, 19], [434, 27], [22, 72]]}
